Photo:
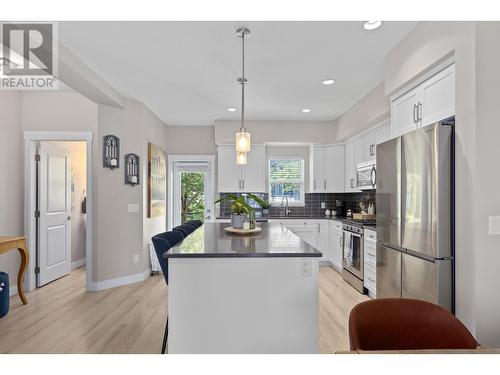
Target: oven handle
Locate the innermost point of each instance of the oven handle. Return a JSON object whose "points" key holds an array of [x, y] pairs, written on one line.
{"points": [[354, 234]]}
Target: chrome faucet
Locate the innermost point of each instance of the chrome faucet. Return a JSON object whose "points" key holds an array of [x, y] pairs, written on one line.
{"points": [[287, 210]]}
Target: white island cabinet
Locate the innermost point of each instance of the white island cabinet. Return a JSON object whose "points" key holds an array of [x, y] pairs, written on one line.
{"points": [[312, 231], [243, 294]]}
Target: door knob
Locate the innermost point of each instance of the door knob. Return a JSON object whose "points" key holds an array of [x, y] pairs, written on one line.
{"points": [[69, 217]]}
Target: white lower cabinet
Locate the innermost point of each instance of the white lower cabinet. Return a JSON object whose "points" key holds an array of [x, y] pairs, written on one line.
{"points": [[335, 244], [312, 231], [370, 259]]}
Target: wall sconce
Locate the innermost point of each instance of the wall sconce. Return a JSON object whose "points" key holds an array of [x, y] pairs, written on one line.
{"points": [[111, 152], [132, 169]]}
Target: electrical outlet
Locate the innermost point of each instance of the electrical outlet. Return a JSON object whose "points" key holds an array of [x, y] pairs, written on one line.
{"points": [[323, 205], [494, 225], [306, 268], [136, 258]]}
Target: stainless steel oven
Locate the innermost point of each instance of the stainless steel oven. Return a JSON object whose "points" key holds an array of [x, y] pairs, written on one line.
{"points": [[366, 175], [353, 255]]}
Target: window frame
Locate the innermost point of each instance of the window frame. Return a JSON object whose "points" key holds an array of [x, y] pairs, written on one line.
{"points": [[302, 201]]}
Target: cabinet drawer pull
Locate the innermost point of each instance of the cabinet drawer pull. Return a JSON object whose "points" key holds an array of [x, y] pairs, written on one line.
{"points": [[372, 280]]}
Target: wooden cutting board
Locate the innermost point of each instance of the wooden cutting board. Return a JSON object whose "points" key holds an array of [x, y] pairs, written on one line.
{"points": [[242, 231]]}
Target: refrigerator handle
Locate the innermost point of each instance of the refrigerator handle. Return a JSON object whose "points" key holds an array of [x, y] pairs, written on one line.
{"points": [[403, 192]]}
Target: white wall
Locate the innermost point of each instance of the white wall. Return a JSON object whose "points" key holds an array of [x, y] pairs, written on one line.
{"points": [[372, 109], [190, 140], [117, 234], [29, 111], [122, 234], [425, 46], [486, 182], [277, 131], [11, 218]]}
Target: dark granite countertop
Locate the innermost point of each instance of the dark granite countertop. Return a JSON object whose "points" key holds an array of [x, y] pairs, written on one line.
{"points": [[212, 241]]}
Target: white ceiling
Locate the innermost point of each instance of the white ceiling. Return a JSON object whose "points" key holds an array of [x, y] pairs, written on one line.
{"points": [[186, 71]]}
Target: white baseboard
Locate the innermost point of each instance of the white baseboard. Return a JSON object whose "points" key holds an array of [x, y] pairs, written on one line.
{"points": [[13, 290], [337, 266], [77, 264], [113, 283]]}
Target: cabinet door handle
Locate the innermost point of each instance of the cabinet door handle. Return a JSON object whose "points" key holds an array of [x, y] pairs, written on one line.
{"points": [[319, 228], [414, 116], [324, 184], [419, 113], [352, 183], [314, 183], [243, 184]]}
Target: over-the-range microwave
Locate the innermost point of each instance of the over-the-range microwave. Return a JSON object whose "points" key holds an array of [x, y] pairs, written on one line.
{"points": [[366, 175]]}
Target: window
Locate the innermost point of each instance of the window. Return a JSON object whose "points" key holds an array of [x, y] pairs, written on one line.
{"points": [[286, 179]]}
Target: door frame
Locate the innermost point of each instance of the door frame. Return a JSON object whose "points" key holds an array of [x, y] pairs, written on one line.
{"points": [[210, 159], [30, 139]]}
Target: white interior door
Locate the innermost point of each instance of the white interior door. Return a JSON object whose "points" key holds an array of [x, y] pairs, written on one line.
{"points": [[55, 213]]}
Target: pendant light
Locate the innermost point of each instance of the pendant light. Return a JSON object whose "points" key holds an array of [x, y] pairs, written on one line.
{"points": [[242, 135]]}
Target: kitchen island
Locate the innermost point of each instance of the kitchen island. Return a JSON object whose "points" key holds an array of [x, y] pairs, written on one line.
{"points": [[243, 294]]}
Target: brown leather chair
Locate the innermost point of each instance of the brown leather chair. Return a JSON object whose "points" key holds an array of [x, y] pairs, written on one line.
{"points": [[406, 324]]}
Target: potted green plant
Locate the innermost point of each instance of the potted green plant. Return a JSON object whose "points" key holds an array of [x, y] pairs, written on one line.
{"points": [[240, 208]]}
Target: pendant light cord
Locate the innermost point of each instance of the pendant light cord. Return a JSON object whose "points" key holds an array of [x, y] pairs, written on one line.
{"points": [[243, 81]]}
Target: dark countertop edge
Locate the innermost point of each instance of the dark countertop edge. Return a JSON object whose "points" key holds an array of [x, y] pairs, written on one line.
{"points": [[246, 255], [339, 218]]}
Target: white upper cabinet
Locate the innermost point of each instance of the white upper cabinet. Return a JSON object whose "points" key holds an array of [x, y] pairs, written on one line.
{"points": [[327, 172], [254, 173], [354, 154], [232, 178], [318, 169], [404, 113], [433, 100], [229, 174], [334, 169], [373, 138], [438, 97]]}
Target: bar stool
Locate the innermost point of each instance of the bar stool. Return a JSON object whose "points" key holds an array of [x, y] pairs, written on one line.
{"points": [[185, 229], [163, 242], [406, 324], [196, 223]]}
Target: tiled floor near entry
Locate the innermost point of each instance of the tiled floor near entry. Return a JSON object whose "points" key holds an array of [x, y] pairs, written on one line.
{"points": [[63, 318]]}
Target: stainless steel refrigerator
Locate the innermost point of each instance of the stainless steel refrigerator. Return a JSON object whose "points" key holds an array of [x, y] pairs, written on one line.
{"points": [[415, 216]]}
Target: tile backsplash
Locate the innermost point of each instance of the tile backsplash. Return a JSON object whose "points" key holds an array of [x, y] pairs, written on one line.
{"points": [[312, 207]]}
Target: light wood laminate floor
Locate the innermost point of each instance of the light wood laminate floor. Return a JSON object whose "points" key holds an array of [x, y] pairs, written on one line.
{"points": [[63, 318]]}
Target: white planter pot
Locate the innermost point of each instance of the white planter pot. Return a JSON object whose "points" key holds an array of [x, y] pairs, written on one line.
{"points": [[237, 220]]}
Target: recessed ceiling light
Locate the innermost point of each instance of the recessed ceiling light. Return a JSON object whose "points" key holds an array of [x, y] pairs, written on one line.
{"points": [[372, 25], [231, 109], [328, 82], [306, 110]]}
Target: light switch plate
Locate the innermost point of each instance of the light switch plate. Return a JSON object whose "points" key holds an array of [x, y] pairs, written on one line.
{"points": [[133, 207], [323, 205], [494, 225]]}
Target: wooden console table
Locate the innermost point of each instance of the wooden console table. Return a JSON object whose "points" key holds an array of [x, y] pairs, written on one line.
{"points": [[19, 243]]}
